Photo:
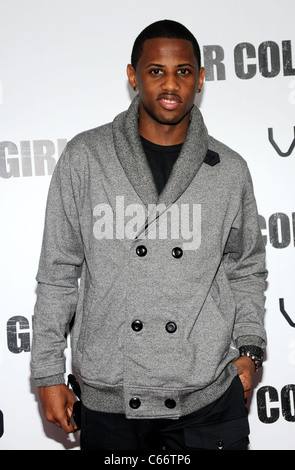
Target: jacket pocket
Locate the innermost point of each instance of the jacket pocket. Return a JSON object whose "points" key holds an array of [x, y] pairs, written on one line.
{"points": [[207, 346], [101, 351]]}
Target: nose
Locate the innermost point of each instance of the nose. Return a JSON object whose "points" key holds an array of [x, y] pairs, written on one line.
{"points": [[170, 83]]}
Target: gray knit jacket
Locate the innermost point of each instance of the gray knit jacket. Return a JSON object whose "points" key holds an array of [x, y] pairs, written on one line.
{"points": [[171, 285]]}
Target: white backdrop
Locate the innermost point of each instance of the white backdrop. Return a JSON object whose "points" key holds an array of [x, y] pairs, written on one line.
{"points": [[63, 70]]}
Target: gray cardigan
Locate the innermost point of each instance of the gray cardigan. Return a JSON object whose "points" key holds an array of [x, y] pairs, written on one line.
{"points": [[171, 285]]}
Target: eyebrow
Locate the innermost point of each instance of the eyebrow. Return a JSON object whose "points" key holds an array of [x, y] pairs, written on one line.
{"points": [[154, 65], [179, 65], [186, 65]]}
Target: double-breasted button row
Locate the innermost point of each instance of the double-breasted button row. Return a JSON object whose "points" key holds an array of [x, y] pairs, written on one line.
{"points": [[136, 325], [141, 251], [170, 327], [177, 252], [135, 403]]}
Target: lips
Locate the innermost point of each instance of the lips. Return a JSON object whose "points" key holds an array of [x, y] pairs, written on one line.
{"points": [[169, 102]]}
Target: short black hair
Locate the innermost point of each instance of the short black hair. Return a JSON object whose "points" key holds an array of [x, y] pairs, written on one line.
{"points": [[164, 29]]}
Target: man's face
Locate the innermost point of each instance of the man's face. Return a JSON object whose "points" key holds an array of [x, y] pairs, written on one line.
{"points": [[167, 77]]}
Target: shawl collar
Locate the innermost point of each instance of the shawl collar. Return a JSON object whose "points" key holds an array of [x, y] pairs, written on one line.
{"points": [[133, 160]]}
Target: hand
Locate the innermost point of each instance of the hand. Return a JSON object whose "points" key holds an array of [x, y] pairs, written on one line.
{"points": [[246, 370], [57, 402]]}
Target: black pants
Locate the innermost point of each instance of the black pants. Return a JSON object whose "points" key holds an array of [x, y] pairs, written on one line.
{"points": [[221, 425]]}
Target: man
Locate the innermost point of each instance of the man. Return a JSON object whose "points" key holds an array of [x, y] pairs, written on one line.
{"points": [[168, 326]]}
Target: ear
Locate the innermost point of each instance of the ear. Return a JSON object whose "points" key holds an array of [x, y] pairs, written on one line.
{"points": [[131, 76], [201, 79]]}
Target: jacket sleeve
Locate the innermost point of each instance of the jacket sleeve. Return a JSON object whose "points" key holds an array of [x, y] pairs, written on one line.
{"points": [[244, 259], [57, 290]]}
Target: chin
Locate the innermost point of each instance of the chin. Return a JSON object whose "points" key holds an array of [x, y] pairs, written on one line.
{"points": [[167, 118], [172, 121]]}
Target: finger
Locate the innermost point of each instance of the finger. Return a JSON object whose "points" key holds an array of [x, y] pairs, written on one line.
{"points": [[62, 420], [66, 424]]}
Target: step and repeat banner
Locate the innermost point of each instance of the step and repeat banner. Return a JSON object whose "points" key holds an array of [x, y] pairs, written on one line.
{"points": [[62, 71]]}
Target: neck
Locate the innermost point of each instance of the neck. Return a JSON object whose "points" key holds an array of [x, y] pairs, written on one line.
{"points": [[163, 134]]}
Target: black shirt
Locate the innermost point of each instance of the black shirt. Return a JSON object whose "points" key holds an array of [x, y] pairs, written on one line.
{"points": [[161, 159]]}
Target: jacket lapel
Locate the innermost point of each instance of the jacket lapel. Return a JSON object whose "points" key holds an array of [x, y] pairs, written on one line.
{"points": [[131, 155], [191, 157], [133, 160]]}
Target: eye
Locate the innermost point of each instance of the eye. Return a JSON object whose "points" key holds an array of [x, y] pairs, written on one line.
{"points": [[184, 71], [155, 71]]}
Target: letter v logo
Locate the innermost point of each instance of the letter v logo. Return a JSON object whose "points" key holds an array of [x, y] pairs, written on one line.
{"points": [[276, 147], [283, 311]]}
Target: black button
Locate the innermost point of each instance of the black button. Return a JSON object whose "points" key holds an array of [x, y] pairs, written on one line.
{"points": [[171, 327], [177, 252], [141, 250], [134, 403], [169, 403], [220, 445], [136, 325]]}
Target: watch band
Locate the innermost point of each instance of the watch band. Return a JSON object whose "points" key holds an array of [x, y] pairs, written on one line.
{"points": [[254, 353]]}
